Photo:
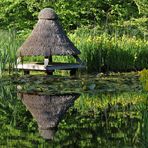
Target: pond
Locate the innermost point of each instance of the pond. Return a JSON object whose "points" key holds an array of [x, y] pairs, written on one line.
{"points": [[89, 111]]}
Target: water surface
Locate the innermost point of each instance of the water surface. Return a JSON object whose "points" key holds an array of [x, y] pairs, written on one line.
{"points": [[108, 111]]}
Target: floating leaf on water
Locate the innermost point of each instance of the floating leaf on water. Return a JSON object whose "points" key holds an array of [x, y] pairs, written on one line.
{"points": [[19, 87], [92, 86]]}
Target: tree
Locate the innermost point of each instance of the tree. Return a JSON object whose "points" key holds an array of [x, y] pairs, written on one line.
{"points": [[22, 14]]}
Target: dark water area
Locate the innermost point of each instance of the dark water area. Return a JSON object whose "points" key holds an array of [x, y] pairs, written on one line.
{"points": [[100, 111]]}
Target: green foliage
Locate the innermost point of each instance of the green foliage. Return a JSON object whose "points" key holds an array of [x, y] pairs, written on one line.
{"points": [[22, 14], [142, 6], [133, 27]]}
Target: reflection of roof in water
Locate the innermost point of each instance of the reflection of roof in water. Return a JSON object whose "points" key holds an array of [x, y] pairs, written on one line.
{"points": [[48, 110]]}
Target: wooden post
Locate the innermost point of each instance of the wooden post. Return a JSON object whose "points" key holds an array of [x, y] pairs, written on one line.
{"points": [[20, 59], [73, 72], [26, 72], [49, 61]]}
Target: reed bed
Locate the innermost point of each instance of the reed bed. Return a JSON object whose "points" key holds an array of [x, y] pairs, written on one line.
{"points": [[102, 51], [8, 51]]}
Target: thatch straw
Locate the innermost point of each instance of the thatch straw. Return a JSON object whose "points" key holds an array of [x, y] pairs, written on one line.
{"points": [[48, 110], [47, 38]]}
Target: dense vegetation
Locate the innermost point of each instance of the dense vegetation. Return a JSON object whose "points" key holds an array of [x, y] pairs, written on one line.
{"points": [[111, 35], [112, 109], [22, 14]]}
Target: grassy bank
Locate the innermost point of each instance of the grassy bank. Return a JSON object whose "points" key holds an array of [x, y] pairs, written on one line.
{"points": [[101, 51]]}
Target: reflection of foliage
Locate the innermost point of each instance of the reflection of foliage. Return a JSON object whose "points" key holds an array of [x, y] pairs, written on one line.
{"points": [[104, 119], [12, 111], [144, 78], [114, 125], [15, 121], [116, 100], [13, 137], [9, 105], [144, 127]]}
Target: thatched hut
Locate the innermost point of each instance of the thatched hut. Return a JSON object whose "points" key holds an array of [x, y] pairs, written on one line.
{"points": [[48, 110], [48, 39]]}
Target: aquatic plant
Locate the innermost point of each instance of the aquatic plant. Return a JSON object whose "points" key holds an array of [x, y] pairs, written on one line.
{"points": [[110, 52], [8, 50]]}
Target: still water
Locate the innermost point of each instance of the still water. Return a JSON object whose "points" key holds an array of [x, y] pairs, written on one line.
{"points": [[73, 112]]}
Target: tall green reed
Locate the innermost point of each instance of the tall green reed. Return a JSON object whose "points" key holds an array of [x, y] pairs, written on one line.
{"points": [[110, 51], [8, 51]]}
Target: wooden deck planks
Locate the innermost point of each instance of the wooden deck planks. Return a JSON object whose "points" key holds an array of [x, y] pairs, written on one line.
{"points": [[50, 67]]}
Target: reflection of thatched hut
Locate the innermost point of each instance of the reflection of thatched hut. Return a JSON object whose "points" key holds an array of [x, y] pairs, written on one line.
{"points": [[48, 39], [47, 110]]}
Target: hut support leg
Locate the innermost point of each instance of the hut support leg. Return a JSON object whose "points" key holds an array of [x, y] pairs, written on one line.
{"points": [[73, 72], [48, 60], [49, 72], [26, 72]]}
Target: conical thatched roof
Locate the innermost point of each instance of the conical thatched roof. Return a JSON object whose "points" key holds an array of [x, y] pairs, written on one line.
{"points": [[47, 110], [47, 38]]}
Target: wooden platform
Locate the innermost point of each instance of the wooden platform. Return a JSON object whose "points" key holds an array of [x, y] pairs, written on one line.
{"points": [[50, 68]]}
